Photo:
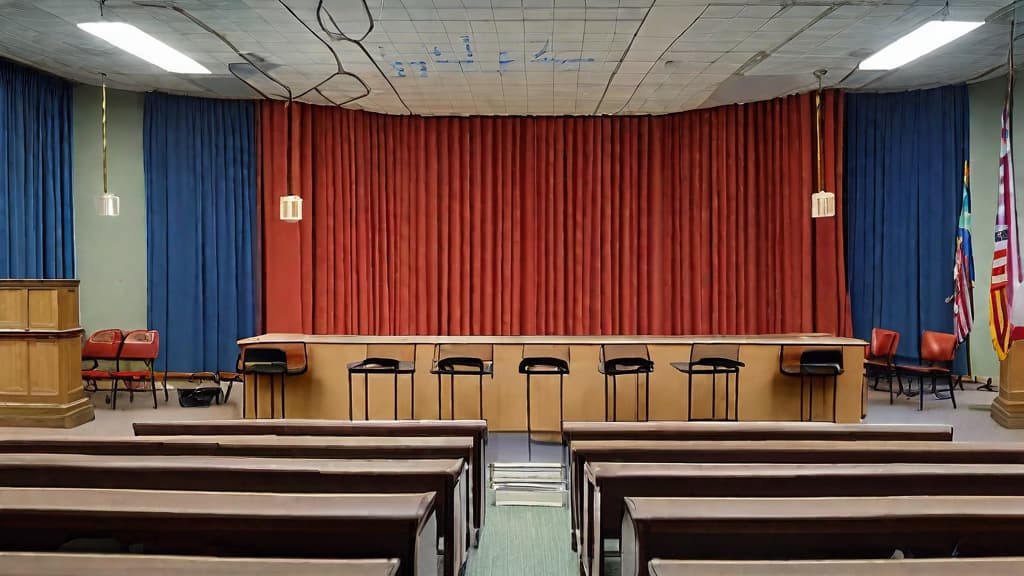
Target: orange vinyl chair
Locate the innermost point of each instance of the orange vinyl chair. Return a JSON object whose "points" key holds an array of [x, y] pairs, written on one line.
{"points": [[100, 346], [938, 349], [880, 359], [140, 346]]}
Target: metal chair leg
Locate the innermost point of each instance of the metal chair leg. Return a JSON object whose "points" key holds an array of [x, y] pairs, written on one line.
{"points": [[412, 396], [438, 396], [615, 398], [647, 397], [366, 397], [689, 396], [636, 401], [605, 397], [529, 426], [952, 395], [284, 381], [152, 385], [561, 400], [350, 413]]}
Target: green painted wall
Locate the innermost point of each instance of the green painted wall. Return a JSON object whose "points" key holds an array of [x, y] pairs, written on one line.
{"points": [[111, 251], [986, 101]]}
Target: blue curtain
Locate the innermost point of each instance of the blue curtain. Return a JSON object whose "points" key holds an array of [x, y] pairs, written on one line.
{"points": [[904, 161], [200, 219], [37, 234]]}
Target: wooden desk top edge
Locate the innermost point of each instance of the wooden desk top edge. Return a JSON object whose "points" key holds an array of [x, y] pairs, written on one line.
{"points": [[755, 340]]}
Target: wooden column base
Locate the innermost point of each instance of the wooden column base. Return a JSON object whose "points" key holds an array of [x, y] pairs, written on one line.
{"points": [[1008, 407], [68, 415]]}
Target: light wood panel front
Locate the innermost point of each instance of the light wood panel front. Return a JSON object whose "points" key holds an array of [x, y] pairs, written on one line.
{"points": [[13, 309], [43, 310], [765, 394], [13, 356]]}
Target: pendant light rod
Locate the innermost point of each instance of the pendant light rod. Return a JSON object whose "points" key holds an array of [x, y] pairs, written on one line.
{"points": [[819, 74], [103, 124], [289, 105]]}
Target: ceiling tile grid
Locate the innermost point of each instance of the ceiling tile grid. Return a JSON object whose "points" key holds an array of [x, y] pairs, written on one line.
{"points": [[464, 57]]}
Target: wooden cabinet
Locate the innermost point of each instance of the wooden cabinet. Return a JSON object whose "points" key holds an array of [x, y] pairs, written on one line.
{"points": [[41, 355]]}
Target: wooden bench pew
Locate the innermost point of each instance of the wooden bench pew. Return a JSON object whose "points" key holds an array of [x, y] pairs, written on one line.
{"points": [[576, 431], [818, 528], [475, 429], [52, 564], [776, 451], [351, 526], [608, 484], [332, 447], [914, 567], [446, 478]]}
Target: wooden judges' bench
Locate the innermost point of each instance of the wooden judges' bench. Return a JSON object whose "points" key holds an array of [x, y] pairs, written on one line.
{"points": [[765, 394]]}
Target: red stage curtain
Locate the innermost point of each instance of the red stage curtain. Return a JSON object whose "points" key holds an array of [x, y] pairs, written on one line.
{"points": [[693, 223]]}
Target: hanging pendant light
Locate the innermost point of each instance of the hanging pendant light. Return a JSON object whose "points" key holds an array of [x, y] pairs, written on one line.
{"points": [[823, 203], [291, 204], [107, 204]]}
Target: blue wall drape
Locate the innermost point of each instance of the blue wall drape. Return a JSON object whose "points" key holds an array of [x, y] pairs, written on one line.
{"points": [[905, 157], [200, 222], [37, 228]]}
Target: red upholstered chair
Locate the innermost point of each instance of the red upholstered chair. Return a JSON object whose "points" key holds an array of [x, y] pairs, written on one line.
{"points": [[880, 358], [938, 349], [100, 346], [139, 346]]}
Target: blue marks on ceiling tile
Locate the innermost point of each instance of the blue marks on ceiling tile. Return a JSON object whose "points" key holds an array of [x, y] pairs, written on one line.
{"points": [[469, 49], [422, 67], [503, 61], [542, 51], [399, 68], [436, 51]]}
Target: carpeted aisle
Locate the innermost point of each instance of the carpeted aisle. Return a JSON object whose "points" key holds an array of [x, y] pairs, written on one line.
{"points": [[524, 541]]}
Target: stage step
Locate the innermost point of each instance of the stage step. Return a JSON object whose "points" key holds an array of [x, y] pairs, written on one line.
{"points": [[528, 484]]}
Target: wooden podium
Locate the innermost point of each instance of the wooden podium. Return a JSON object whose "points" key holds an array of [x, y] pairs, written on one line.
{"points": [[41, 355], [1008, 407]]}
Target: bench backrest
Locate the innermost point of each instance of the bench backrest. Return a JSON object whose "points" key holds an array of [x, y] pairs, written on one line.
{"points": [[55, 564], [818, 528], [576, 431], [914, 567], [232, 524]]}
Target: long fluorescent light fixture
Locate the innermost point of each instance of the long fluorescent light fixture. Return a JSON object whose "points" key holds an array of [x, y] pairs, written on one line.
{"points": [[925, 39], [138, 43]]}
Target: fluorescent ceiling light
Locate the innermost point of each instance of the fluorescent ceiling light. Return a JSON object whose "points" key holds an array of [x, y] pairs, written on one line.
{"points": [[925, 39], [136, 42]]}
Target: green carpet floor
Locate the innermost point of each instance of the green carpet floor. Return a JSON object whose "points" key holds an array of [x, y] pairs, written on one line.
{"points": [[524, 540]]}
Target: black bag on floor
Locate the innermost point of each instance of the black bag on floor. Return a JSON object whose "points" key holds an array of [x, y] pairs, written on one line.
{"points": [[193, 397]]}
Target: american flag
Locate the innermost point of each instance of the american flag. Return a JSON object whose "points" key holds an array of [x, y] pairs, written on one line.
{"points": [[1006, 268], [963, 269]]}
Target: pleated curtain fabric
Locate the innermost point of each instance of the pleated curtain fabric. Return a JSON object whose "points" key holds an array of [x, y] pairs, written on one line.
{"points": [[905, 156], [693, 223], [37, 235], [200, 224]]}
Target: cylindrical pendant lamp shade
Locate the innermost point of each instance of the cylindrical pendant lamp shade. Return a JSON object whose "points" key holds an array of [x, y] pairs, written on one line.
{"points": [[291, 208]]}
